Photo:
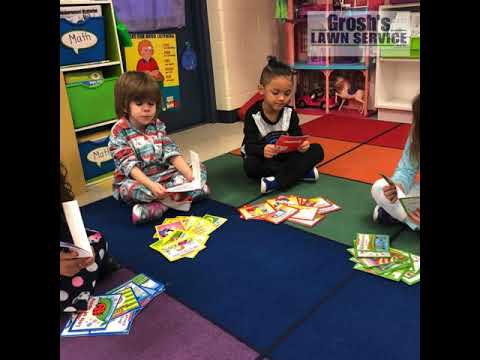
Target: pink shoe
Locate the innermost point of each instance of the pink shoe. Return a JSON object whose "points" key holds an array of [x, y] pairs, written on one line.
{"points": [[142, 213]]}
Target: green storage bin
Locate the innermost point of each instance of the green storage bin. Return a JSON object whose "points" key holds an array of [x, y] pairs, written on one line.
{"points": [[92, 102], [402, 51]]}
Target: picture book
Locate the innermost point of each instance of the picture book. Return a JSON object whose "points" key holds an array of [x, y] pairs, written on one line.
{"points": [[255, 211], [195, 184], [282, 213], [98, 314], [142, 295], [372, 245], [77, 229], [410, 204], [161, 231], [217, 221], [286, 143]]}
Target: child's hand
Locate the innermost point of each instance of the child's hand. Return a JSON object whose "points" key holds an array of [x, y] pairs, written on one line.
{"points": [[304, 146], [158, 190], [269, 151], [70, 264], [390, 192], [415, 216]]}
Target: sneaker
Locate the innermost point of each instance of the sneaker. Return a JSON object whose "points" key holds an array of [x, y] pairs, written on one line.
{"points": [[311, 175], [268, 184], [380, 216], [142, 213]]}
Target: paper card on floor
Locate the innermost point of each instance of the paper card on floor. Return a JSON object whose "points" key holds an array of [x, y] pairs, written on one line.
{"points": [[98, 314], [164, 229], [282, 213], [410, 204], [201, 239], [174, 250], [196, 183], [252, 211], [328, 209], [188, 221], [77, 228], [309, 223], [127, 303], [118, 326], [305, 213], [372, 245], [301, 200], [289, 200], [412, 275], [201, 227], [217, 221], [395, 276], [318, 202], [153, 287], [143, 296]]}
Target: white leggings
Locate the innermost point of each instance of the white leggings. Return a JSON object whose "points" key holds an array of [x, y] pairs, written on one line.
{"points": [[395, 210]]}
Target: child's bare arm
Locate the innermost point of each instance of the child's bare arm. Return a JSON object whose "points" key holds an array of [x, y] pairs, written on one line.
{"points": [[182, 166]]}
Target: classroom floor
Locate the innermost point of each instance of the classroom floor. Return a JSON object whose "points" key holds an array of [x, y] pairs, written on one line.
{"points": [[259, 290], [226, 137]]}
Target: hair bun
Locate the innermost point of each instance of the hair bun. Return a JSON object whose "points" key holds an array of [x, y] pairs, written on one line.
{"points": [[272, 60]]}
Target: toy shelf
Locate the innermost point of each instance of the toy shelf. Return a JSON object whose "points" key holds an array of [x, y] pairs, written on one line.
{"points": [[86, 66], [397, 79], [102, 124], [298, 58], [353, 66], [71, 143]]}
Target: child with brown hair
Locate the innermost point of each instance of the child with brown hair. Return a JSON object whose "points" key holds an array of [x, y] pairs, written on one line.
{"points": [[265, 122], [389, 209], [146, 160]]}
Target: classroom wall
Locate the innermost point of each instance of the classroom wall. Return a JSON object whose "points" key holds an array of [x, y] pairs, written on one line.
{"points": [[242, 34]]}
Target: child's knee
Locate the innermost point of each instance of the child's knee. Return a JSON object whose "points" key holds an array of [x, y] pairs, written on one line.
{"points": [[317, 151]]}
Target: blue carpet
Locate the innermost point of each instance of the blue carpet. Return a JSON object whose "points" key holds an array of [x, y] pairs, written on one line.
{"points": [[254, 279], [369, 318]]}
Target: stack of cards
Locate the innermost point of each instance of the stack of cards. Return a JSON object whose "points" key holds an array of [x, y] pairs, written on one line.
{"points": [[184, 236], [292, 208], [372, 254], [113, 313]]}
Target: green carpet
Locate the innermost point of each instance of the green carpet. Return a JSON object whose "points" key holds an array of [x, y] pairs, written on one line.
{"points": [[356, 214], [228, 181], [408, 240]]}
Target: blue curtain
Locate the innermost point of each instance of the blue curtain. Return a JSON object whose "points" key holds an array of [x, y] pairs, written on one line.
{"points": [[150, 15]]}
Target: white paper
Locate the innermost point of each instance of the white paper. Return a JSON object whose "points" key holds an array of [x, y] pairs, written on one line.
{"points": [[410, 204], [75, 14], [196, 183], [77, 229]]}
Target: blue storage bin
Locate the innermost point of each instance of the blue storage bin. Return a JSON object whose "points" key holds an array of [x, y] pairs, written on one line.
{"points": [[95, 157], [82, 42]]}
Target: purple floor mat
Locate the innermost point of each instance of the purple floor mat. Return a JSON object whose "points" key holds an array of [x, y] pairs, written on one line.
{"points": [[165, 329]]}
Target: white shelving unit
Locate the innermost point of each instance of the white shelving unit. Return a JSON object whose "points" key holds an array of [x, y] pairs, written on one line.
{"points": [[397, 80]]}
